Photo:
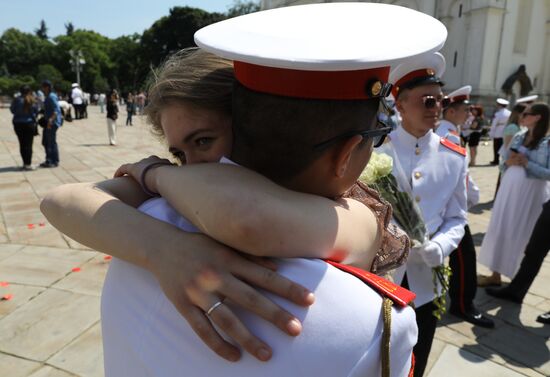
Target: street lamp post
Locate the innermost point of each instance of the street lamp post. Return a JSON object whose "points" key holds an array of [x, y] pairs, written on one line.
{"points": [[77, 61]]}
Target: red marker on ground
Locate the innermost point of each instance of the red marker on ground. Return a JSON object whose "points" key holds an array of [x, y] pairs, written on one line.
{"points": [[76, 269], [107, 257], [4, 283], [7, 297], [30, 226]]}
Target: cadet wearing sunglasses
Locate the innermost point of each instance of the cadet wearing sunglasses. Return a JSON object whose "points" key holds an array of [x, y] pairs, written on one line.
{"points": [[436, 171]]}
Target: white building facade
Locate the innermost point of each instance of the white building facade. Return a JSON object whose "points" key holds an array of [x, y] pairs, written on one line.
{"points": [[488, 41]]}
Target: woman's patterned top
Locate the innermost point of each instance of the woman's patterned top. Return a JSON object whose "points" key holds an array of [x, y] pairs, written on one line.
{"points": [[394, 248]]}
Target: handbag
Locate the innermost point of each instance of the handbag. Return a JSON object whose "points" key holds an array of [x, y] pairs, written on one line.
{"points": [[42, 122]]}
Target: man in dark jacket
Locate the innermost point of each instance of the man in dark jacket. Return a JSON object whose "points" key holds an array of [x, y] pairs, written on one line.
{"points": [[54, 120]]}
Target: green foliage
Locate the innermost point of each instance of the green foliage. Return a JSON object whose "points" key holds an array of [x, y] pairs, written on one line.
{"points": [[123, 63], [174, 32], [11, 85], [242, 7]]}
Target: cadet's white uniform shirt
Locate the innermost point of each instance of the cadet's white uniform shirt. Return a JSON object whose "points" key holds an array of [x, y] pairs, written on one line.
{"points": [[448, 130], [77, 96], [500, 120], [438, 180], [144, 335]]}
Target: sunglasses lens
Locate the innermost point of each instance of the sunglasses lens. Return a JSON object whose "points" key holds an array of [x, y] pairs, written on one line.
{"points": [[429, 102], [378, 140], [446, 101]]}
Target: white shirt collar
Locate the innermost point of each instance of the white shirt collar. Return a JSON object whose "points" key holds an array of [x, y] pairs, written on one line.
{"points": [[409, 139]]}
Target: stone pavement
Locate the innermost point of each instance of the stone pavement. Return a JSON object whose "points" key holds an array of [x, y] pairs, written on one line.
{"points": [[50, 327]]}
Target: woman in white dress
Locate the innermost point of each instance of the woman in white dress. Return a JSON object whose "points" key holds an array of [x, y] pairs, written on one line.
{"points": [[523, 190]]}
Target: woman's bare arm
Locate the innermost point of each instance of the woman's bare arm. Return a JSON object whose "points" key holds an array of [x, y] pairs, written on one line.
{"points": [[245, 210], [90, 214]]}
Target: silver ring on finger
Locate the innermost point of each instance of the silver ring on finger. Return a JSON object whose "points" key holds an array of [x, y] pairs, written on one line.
{"points": [[214, 307]]}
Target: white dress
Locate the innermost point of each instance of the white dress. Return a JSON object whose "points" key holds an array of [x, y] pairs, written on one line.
{"points": [[517, 206], [144, 335]]}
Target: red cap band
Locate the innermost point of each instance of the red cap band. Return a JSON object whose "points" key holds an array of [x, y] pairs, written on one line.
{"points": [[424, 72], [310, 84]]}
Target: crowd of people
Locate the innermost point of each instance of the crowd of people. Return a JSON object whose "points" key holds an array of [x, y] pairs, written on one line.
{"points": [[49, 109], [269, 150]]}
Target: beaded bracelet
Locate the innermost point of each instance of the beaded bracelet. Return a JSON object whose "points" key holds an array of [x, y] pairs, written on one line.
{"points": [[142, 177]]}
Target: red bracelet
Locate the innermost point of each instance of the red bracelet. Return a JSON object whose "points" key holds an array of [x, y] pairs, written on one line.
{"points": [[142, 177]]}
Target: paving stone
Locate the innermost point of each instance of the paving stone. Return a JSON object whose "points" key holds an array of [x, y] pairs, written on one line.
{"points": [[48, 371], [522, 346], [455, 362], [46, 324], [83, 356], [11, 366], [9, 249], [89, 280], [41, 266], [21, 294]]}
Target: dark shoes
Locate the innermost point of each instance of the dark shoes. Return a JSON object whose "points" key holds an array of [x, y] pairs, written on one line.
{"points": [[474, 317], [47, 164], [504, 294], [544, 318], [493, 162]]}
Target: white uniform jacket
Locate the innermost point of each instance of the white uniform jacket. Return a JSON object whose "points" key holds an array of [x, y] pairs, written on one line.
{"points": [[500, 120], [144, 335], [438, 180], [448, 130]]}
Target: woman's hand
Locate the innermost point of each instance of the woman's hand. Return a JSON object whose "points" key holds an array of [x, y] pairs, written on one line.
{"points": [[514, 159], [208, 272], [135, 170]]}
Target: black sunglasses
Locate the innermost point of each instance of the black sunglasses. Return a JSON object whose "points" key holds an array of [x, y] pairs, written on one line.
{"points": [[526, 113], [378, 136], [431, 101]]}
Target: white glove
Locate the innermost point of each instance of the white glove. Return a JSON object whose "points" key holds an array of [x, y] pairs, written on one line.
{"points": [[432, 254]]}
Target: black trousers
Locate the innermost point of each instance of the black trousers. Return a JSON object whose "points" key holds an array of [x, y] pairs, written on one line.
{"points": [[427, 324], [535, 252], [463, 282], [25, 135], [497, 143]]}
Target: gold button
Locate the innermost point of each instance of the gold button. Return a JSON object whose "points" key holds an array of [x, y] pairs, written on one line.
{"points": [[417, 198], [417, 151], [417, 175]]}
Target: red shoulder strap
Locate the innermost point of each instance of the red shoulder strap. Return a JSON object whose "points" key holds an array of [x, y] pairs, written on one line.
{"points": [[452, 146], [396, 293]]}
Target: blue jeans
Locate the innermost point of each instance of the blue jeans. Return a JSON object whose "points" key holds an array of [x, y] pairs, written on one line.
{"points": [[50, 144]]}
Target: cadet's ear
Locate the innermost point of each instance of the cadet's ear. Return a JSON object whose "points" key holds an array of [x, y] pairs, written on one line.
{"points": [[344, 153]]}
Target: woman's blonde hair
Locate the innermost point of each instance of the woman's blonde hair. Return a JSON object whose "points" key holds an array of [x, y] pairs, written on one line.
{"points": [[190, 76]]}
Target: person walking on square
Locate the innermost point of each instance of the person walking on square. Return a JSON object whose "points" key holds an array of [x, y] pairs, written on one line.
{"points": [[462, 261], [500, 119], [101, 102], [77, 98], [24, 110], [436, 171], [112, 116], [518, 203], [130, 108], [54, 120], [536, 250]]}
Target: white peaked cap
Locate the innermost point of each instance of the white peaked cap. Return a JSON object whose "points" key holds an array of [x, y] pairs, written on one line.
{"points": [[334, 41], [420, 70], [74, 85], [527, 99], [461, 94], [502, 101]]}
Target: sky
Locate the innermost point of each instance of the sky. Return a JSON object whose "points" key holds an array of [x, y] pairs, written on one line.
{"points": [[111, 18]]}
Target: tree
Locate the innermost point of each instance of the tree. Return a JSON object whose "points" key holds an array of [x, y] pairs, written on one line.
{"points": [[42, 31], [69, 27], [22, 53], [174, 32], [242, 7]]}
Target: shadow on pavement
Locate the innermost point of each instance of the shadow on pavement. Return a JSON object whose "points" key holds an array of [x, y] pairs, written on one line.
{"points": [[9, 169], [478, 209]]}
